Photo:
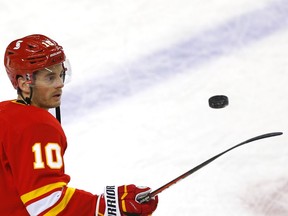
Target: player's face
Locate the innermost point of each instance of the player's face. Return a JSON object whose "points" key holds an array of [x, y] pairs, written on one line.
{"points": [[48, 86]]}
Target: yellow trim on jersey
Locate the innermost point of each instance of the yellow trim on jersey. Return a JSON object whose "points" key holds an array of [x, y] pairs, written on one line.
{"points": [[59, 208], [41, 191], [16, 102]]}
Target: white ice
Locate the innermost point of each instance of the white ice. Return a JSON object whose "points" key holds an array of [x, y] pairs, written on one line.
{"points": [[137, 109]]}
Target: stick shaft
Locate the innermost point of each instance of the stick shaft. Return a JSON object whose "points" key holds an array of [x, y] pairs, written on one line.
{"points": [[188, 173], [58, 114]]}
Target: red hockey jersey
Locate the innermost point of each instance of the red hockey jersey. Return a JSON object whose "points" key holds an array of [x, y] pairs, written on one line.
{"points": [[32, 176]]}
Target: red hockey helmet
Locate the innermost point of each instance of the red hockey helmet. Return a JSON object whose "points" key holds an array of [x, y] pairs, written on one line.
{"points": [[30, 54]]}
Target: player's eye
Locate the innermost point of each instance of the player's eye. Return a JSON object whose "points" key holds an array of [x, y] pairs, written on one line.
{"points": [[63, 76]]}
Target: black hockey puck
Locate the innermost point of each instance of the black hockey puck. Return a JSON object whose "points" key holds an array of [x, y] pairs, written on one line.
{"points": [[218, 101]]}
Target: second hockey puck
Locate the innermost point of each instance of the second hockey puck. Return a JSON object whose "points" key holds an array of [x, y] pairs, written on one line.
{"points": [[218, 101]]}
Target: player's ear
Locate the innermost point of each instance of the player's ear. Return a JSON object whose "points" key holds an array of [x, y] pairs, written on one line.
{"points": [[23, 85]]}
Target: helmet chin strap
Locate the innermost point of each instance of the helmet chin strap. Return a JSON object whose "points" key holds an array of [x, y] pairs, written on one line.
{"points": [[26, 100]]}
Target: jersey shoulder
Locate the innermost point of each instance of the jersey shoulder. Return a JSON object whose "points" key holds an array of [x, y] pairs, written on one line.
{"points": [[20, 118]]}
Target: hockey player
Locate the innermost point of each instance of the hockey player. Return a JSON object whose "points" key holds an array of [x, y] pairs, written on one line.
{"points": [[32, 143]]}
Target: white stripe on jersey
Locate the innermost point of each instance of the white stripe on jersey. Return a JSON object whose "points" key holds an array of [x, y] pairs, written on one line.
{"points": [[39, 206]]}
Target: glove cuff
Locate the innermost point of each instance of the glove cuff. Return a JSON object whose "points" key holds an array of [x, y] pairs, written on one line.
{"points": [[111, 201]]}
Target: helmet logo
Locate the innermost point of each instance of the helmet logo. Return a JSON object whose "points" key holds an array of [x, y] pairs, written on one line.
{"points": [[18, 43]]}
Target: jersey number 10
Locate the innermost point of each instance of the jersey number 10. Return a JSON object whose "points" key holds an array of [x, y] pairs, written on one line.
{"points": [[52, 155]]}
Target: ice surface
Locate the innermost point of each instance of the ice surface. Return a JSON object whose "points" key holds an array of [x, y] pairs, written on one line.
{"points": [[137, 108]]}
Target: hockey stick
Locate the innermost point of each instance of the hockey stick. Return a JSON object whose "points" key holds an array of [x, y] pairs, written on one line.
{"points": [[174, 181], [58, 114]]}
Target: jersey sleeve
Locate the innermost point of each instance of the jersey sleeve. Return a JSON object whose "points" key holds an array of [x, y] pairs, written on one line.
{"points": [[36, 161]]}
